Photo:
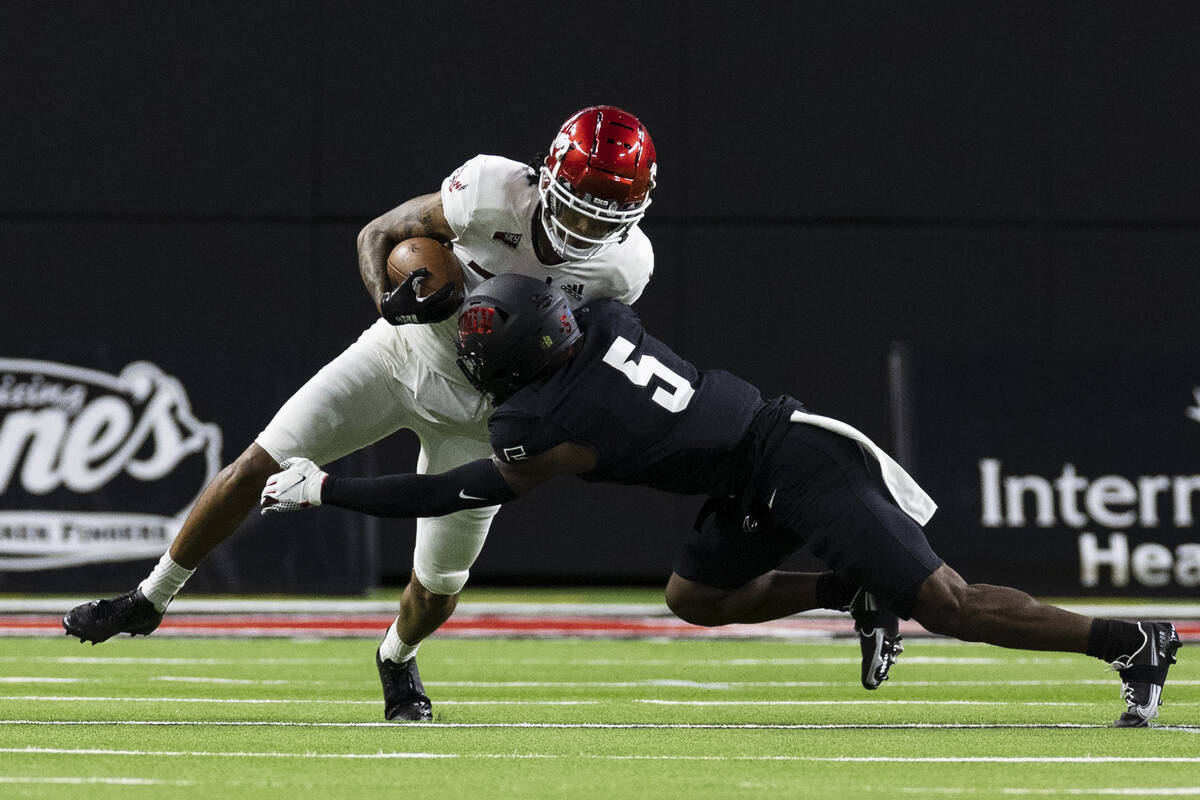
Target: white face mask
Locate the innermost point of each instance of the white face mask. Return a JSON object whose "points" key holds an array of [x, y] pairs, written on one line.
{"points": [[581, 228]]}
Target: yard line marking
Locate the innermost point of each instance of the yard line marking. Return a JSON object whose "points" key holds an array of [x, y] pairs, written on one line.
{"points": [[234, 681], [599, 725], [516, 702], [491, 702], [605, 757], [650, 682], [285, 701], [1147, 791], [797, 661], [723, 685], [219, 700], [658, 702], [96, 751], [90, 780], [586, 662], [179, 661], [1139, 791], [1006, 759]]}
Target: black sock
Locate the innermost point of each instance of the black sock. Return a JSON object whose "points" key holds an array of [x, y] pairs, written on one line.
{"points": [[1111, 639], [834, 593]]}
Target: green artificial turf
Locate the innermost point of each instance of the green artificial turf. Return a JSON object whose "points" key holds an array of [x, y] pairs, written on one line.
{"points": [[578, 719]]}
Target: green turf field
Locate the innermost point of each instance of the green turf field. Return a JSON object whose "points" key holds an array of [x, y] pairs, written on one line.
{"points": [[570, 718]]}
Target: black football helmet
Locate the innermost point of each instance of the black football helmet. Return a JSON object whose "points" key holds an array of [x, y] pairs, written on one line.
{"points": [[512, 330]]}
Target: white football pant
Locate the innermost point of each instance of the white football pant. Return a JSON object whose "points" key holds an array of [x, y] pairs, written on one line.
{"points": [[377, 386]]}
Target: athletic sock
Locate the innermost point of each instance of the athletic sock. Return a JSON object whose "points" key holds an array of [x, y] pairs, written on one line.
{"points": [[393, 649], [834, 593], [164, 581], [1111, 639]]}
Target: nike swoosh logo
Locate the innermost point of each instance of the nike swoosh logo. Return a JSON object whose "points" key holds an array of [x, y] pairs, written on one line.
{"points": [[771, 502], [293, 486], [463, 494]]}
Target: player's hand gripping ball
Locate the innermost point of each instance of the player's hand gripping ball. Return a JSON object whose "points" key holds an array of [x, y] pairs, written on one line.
{"points": [[427, 280]]}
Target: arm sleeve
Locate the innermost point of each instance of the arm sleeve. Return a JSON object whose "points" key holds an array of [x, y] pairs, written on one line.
{"points": [[474, 485]]}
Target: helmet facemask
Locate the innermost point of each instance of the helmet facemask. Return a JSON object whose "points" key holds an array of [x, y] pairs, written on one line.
{"points": [[581, 227]]}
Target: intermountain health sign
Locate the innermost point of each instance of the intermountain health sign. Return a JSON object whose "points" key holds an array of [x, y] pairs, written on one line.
{"points": [[1063, 478]]}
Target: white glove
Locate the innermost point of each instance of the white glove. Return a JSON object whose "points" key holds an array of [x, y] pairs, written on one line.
{"points": [[297, 485]]}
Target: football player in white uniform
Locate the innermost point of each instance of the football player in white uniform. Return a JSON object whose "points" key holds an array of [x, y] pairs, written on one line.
{"points": [[572, 221]]}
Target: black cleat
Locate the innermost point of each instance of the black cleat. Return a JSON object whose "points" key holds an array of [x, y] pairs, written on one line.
{"points": [[403, 694], [100, 620], [1144, 672], [878, 637]]}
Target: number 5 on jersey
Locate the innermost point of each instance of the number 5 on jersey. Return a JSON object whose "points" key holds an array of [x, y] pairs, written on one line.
{"points": [[640, 372]]}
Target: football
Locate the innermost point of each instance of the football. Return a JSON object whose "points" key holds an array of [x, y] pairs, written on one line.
{"points": [[430, 254]]}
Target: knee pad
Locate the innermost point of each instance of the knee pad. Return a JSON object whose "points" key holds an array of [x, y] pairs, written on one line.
{"points": [[448, 546]]}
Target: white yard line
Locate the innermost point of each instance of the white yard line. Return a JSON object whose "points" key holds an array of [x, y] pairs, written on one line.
{"points": [[501, 702], [1127, 791], [84, 781], [646, 683], [591, 725], [724, 685], [223, 681], [776, 662], [177, 661], [602, 757], [282, 701], [662, 702], [569, 662]]}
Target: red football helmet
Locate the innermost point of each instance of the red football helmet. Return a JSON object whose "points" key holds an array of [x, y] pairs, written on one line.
{"points": [[596, 182]]}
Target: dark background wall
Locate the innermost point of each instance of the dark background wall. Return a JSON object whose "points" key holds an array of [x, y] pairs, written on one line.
{"points": [[183, 183]]}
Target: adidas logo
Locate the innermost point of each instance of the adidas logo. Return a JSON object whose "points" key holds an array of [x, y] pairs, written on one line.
{"points": [[574, 290]]}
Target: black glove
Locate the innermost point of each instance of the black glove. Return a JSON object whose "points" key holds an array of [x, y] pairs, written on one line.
{"points": [[400, 306]]}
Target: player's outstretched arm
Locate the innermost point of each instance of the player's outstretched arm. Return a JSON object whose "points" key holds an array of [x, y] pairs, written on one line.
{"points": [[420, 216], [486, 482]]}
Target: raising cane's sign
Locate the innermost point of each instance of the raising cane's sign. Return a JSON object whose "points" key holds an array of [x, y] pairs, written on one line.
{"points": [[95, 467]]}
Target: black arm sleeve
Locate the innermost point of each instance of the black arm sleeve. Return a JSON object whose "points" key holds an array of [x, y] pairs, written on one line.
{"points": [[474, 485]]}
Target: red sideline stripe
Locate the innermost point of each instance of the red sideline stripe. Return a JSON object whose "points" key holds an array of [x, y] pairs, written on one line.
{"points": [[282, 625], [218, 623]]}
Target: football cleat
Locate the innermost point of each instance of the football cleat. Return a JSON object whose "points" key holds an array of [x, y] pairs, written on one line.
{"points": [[100, 620], [404, 695], [878, 637], [1144, 672]]}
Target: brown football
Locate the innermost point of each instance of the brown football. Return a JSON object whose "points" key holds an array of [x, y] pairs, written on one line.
{"points": [[414, 254]]}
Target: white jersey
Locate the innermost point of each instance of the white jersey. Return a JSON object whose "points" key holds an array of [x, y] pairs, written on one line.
{"points": [[490, 203], [404, 376]]}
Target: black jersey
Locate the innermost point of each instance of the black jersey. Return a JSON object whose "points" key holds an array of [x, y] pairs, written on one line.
{"points": [[651, 417]]}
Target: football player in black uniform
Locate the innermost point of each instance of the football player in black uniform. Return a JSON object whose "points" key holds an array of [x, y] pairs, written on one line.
{"points": [[592, 394]]}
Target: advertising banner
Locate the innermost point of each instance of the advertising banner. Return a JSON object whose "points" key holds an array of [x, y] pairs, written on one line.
{"points": [[95, 467], [1063, 478], [98, 471]]}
